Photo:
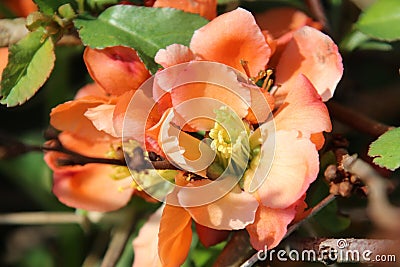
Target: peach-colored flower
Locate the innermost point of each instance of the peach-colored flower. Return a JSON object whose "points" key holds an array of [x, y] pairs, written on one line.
{"points": [[87, 128], [306, 74], [205, 8]]}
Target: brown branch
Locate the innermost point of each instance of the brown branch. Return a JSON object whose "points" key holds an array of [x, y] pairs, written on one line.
{"points": [[236, 251], [357, 120], [13, 30], [120, 237]]}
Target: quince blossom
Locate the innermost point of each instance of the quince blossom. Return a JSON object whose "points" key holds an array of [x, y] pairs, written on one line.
{"points": [[307, 72]]}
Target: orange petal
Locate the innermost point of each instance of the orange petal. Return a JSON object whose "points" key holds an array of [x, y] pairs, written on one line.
{"points": [[294, 167], [207, 86], [88, 187], [3, 59], [233, 211], [205, 8], [270, 226], [280, 21], [102, 118], [210, 237], [175, 236], [262, 104], [174, 54], [116, 69], [91, 89], [69, 116], [21, 8], [318, 139], [145, 245], [303, 109], [230, 38], [315, 55]]}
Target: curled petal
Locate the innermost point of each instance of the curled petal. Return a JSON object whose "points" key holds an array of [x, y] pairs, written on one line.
{"points": [[70, 117], [173, 55], [294, 167], [145, 245], [315, 55], [234, 36], [205, 8], [233, 211], [303, 109], [116, 69], [175, 236], [270, 226], [102, 118]]}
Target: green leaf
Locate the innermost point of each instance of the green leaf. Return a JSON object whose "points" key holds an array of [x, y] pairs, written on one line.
{"points": [[145, 29], [49, 7], [381, 20], [31, 61], [386, 149]]}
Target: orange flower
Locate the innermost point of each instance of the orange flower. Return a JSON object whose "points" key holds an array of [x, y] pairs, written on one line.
{"points": [[87, 128], [306, 74], [21, 8], [205, 8]]}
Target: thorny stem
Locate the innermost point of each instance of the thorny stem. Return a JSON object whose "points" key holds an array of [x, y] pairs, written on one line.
{"points": [[357, 120]]}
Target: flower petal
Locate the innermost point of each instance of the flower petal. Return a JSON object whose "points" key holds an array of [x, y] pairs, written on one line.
{"points": [[233, 211], [230, 38], [116, 69], [145, 245], [88, 187], [175, 236], [173, 55], [210, 237], [92, 89], [294, 167], [205, 8], [3, 59], [303, 109], [270, 226], [69, 116], [315, 55], [102, 118]]}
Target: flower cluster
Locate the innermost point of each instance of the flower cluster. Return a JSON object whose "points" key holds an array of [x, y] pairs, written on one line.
{"points": [[260, 131]]}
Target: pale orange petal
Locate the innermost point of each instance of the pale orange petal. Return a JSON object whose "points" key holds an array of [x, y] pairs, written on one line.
{"points": [[91, 89], [175, 236], [102, 118], [174, 54], [205, 8], [116, 69], [294, 167], [270, 226], [230, 38], [206, 86], [70, 117], [262, 104], [315, 55], [145, 245], [233, 211], [303, 109], [88, 187]]}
